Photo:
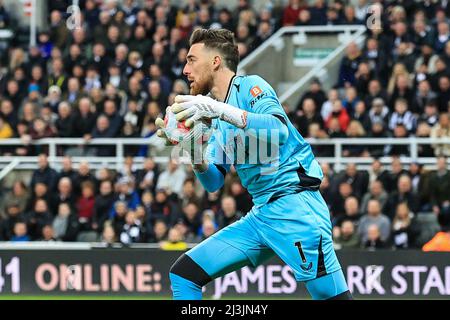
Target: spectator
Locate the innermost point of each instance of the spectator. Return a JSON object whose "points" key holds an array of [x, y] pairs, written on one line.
{"points": [[345, 237], [327, 106], [84, 118], [292, 11], [315, 93], [441, 130], [131, 230], [174, 241], [85, 205], [404, 228], [228, 213], [172, 178], [118, 220], [188, 193], [48, 233], [108, 235], [243, 199], [65, 224], [20, 233], [337, 205], [402, 116], [160, 231], [374, 216], [351, 212], [374, 240], [65, 194], [355, 130], [192, 220], [18, 195], [38, 218], [396, 171], [376, 192], [339, 113], [44, 173], [67, 170], [358, 180], [147, 176], [13, 215], [349, 66], [423, 95], [439, 187], [404, 193], [306, 116]]}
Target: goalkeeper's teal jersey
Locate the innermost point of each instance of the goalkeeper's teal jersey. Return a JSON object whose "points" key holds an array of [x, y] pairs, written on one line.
{"points": [[264, 172]]}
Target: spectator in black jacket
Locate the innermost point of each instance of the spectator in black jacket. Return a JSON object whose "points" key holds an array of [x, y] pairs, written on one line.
{"points": [[13, 215], [44, 174], [403, 194], [64, 123], [228, 213], [103, 204], [38, 218]]}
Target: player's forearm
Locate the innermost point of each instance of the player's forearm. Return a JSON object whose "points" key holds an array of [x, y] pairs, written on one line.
{"points": [[210, 176]]}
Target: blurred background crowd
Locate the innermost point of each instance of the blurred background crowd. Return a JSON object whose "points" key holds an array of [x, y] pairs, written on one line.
{"points": [[116, 74]]}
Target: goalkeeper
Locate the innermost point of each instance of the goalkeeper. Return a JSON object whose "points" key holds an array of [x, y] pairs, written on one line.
{"points": [[289, 217]]}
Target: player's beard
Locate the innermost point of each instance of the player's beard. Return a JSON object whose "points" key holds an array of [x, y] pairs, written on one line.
{"points": [[202, 86]]}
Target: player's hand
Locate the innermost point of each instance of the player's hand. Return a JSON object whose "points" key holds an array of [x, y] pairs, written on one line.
{"points": [[195, 108], [159, 123]]}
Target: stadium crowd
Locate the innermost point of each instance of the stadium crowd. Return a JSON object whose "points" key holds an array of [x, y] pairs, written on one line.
{"points": [[116, 74]]}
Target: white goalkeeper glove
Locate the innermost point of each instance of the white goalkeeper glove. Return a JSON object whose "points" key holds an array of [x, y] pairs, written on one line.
{"points": [[195, 108]]}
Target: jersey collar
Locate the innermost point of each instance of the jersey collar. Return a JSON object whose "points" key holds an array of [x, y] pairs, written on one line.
{"points": [[230, 87]]}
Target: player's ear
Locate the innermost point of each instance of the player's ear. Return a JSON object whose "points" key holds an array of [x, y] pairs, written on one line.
{"points": [[217, 62]]}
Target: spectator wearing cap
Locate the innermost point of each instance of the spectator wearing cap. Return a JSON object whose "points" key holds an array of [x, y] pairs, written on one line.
{"points": [[126, 193]]}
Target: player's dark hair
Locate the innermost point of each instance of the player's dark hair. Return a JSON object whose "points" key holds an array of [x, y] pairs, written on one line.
{"points": [[221, 40]]}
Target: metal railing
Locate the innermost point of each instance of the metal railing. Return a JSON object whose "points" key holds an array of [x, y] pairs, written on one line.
{"points": [[116, 162]]}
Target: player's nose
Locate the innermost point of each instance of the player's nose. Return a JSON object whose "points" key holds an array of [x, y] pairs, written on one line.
{"points": [[186, 70]]}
